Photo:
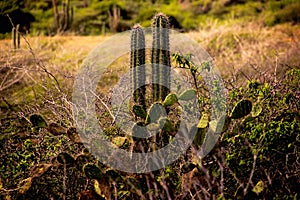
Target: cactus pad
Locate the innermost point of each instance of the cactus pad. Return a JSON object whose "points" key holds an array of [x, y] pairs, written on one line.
{"points": [[241, 109], [155, 112], [200, 135], [167, 125], [203, 121], [139, 111], [187, 95], [119, 141], [170, 99], [92, 171]]}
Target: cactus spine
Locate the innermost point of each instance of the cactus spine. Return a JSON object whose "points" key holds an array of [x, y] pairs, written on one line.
{"points": [[137, 65], [160, 57]]}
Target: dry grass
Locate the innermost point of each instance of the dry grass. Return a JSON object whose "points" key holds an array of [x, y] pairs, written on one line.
{"points": [[240, 46]]}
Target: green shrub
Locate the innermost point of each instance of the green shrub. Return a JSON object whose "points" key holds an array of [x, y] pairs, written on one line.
{"points": [[281, 13]]}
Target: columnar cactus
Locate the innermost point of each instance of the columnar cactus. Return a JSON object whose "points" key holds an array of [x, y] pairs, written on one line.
{"points": [[13, 35], [160, 57], [16, 37], [137, 65]]}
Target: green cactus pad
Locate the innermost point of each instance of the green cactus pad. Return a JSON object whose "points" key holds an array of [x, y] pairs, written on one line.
{"points": [[241, 109], [203, 121], [92, 171], [200, 135], [213, 125], [138, 128], [187, 95], [139, 111], [256, 110], [209, 141], [166, 124], [219, 125], [38, 121], [119, 141], [155, 112], [153, 127], [170, 99]]}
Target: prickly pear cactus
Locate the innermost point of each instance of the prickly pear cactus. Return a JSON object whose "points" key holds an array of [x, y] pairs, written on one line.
{"points": [[119, 141], [167, 125], [203, 122], [92, 171], [170, 100], [139, 111], [155, 112], [200, 135], [187, 95], [241, 109], [201, 129]]}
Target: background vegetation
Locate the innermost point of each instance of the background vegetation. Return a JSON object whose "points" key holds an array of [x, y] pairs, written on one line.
{"points": [[94, 17], [255, 45]]}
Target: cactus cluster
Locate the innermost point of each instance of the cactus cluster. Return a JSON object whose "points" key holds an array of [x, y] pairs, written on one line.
{"points": [[160, 59], [161, 96]]}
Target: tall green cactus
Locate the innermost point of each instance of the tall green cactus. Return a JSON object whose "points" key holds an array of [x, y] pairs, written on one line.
{"points": [[16, 37], [160, 56], [137, 65], [13, 35]]}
